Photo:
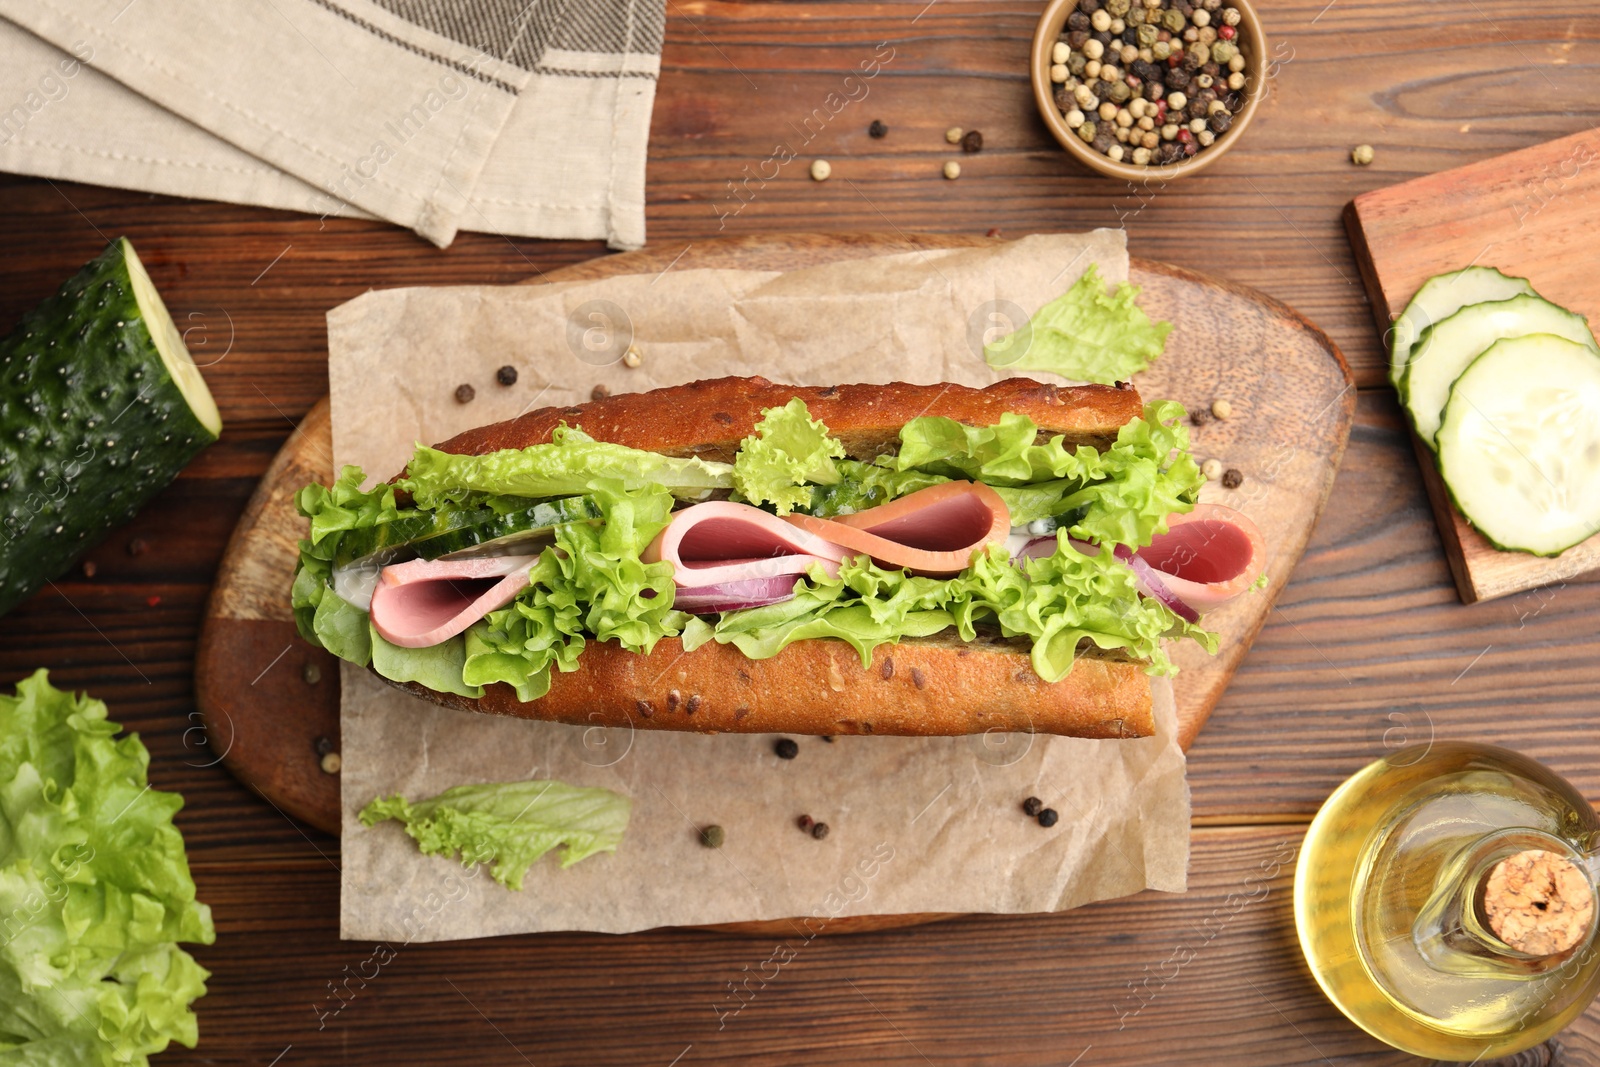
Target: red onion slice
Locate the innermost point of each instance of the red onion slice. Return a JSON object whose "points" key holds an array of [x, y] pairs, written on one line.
{"points": [[731, 596], [1150, 584]]}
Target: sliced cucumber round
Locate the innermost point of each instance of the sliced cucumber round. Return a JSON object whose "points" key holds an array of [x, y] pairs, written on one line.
{"points": [[1447, 347], [1440, 297], [432, 534], [1519, 447]]}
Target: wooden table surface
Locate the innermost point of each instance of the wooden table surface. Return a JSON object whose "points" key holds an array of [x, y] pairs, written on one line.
{"points": [[1367, 649]]}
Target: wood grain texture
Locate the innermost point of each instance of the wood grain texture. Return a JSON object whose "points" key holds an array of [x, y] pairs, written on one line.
{"points": [[1529, 213], [1293, 401], [1366, 648]]}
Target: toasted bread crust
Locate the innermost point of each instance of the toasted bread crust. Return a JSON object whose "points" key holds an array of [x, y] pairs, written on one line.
{"points": [[709, 418], [928, 687], [924, 687]]}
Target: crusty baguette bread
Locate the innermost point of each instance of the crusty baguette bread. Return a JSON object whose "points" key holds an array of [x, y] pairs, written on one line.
{"points": [[925, 686]]}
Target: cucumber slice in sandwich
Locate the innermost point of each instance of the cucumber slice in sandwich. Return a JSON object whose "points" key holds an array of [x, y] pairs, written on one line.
{"points": [[1440, 297], [1519, 447], [1447, 348], [100, 408], [449, 532]]}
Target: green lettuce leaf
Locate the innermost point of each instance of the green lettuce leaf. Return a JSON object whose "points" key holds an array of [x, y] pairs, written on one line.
{"points": [[439, 667], [95, 891], [509, 825], [1085, 334], [595, 587], [1059, 602], [1126, 492], [789, 452], [564, 467], [320, 615]]}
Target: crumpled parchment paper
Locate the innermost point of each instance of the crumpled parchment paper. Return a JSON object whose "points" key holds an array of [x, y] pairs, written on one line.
{"points": [[916, 824]]}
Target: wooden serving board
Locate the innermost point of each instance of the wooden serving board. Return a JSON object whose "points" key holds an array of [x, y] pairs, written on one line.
{"points": [[1530, 213], [1293, 401]]}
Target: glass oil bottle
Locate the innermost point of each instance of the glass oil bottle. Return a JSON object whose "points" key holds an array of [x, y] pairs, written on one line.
{"points": [[1445, 901]]}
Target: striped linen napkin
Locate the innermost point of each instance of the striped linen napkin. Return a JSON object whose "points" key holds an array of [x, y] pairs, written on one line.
{"points": [[522, 117]]}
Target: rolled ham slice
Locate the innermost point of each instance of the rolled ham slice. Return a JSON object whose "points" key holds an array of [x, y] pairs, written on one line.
{"points": [[932, 532], [1207, 556], [428, 601], [721, 542]]}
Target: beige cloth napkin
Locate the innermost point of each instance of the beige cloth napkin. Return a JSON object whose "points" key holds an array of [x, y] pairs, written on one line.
{"points": [[528, 118]]}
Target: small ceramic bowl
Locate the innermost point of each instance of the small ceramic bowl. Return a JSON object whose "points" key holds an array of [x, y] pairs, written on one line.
{"points": [[1252, 42]]}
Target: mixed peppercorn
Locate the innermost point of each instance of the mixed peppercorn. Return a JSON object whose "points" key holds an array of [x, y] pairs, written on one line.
{"points": [[1150, 82]]}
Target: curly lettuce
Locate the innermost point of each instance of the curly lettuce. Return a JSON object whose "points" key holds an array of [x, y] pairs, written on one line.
{"points": [[1085, 334], [789, 452], [591, 585], [1126, 492], [509, 825], [95, 891], [564, 467]]}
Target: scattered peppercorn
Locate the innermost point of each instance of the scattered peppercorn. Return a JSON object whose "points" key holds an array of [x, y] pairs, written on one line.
{"points": [[89, 568], [877, 130], [828, 738], [820, 170], [152, 600], [506, 375], [331, 763], [953, 134], [804, 822], [323, 746], [786, 748], [137, 547], [1212, 469], [819, 830], [1361, 155], [992, 231], [713, 836], [599, 392], [632, 357], [952, 170], [465, 393], [1221, 409], [311, 673], [1199, 416], [1233, 479], [972, 141], [1048, 817], [1032, 806]]}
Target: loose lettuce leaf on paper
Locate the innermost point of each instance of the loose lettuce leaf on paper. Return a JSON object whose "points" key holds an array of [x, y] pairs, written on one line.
{"points": [[1085, 334], [509, 825], [1128, 490], [789, 452], [564, 467], [95, 891]]}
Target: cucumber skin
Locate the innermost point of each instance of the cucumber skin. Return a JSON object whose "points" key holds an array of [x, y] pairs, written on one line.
{"points": [[91, 425]]}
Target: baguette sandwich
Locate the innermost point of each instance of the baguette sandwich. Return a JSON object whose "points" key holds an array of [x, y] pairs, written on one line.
{"points": [[739, 555]]}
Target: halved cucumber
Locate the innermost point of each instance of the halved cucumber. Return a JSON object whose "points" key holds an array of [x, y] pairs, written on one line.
{"points": [[1519, 447], [1447, 347], [100, 408], [431, 534], [1440, 297]]}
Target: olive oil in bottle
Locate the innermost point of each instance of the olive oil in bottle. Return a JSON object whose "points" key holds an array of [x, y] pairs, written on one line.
{"points": [[1445, 901]]}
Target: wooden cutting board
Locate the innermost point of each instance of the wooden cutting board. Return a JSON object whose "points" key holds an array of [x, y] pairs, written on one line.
{"points": [[269, 698], [1531, 214]]}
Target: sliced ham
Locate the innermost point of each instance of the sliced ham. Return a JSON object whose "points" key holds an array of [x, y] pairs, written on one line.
{"points": [[1207, 556], [425, 602], [932, 532], [721, 542]]}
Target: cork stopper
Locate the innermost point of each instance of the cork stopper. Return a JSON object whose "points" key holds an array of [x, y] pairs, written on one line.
{"points": [[1538, 902]]}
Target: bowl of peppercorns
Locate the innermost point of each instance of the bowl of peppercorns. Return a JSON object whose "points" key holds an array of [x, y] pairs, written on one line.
{"points": [[1148, 88]]}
